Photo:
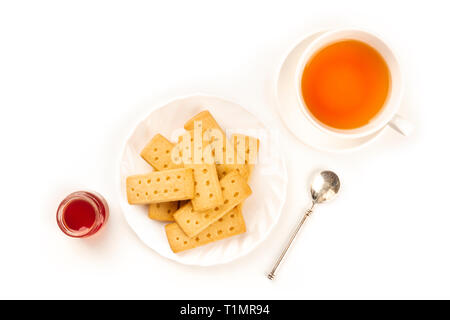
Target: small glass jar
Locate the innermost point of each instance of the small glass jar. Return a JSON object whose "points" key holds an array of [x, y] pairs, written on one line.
{"points": [[81, 214]]}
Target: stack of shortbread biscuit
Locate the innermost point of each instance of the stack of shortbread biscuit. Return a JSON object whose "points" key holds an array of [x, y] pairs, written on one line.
{"points": [[199, 183]]}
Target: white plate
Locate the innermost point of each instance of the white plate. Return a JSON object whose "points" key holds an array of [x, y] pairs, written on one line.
{"points": [[295, 120], [268, 182]]}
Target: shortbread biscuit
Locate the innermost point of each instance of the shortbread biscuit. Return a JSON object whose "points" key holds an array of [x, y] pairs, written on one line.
{"points": [[224, 169], [208, 121], [241, 158], [161, 186], [231, 161], [229, 225], [235, 190], [249, 146], [163, 211], [208, 192], [158, 153], [209, 129]]}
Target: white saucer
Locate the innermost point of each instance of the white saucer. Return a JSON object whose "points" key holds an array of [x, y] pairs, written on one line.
{"points": [[295, 120]]}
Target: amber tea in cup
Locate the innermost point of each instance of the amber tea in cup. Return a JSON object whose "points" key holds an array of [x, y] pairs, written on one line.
{"points": [[345, 84]]}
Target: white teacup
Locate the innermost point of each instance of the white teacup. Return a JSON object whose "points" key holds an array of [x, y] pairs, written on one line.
{"points": [[388, 113]]}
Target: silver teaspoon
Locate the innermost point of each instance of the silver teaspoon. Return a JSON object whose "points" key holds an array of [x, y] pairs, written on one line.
{"points": [[324, 187]]}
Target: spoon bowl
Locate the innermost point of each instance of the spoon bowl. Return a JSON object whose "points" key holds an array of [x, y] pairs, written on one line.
{"points": [[325, 187]]}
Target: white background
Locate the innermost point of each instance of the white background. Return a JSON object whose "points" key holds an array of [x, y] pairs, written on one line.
{"points": [[75, 76]]}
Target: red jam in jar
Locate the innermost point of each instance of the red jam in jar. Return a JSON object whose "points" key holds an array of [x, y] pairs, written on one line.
{"points": [[81, 214]]}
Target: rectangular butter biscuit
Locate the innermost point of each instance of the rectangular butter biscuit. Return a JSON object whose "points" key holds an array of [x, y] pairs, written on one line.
{"points": [[230, 224], [231, 161], [235, 190], [163, 211], [208, 121], [158, 153], [160, 186], [249, 146], [208, 191]]}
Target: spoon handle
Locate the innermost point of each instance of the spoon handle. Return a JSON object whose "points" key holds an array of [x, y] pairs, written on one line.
{"points": [[308, 212]]}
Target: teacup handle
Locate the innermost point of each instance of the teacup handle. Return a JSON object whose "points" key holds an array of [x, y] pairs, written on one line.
{"points": [[401, 125]]}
